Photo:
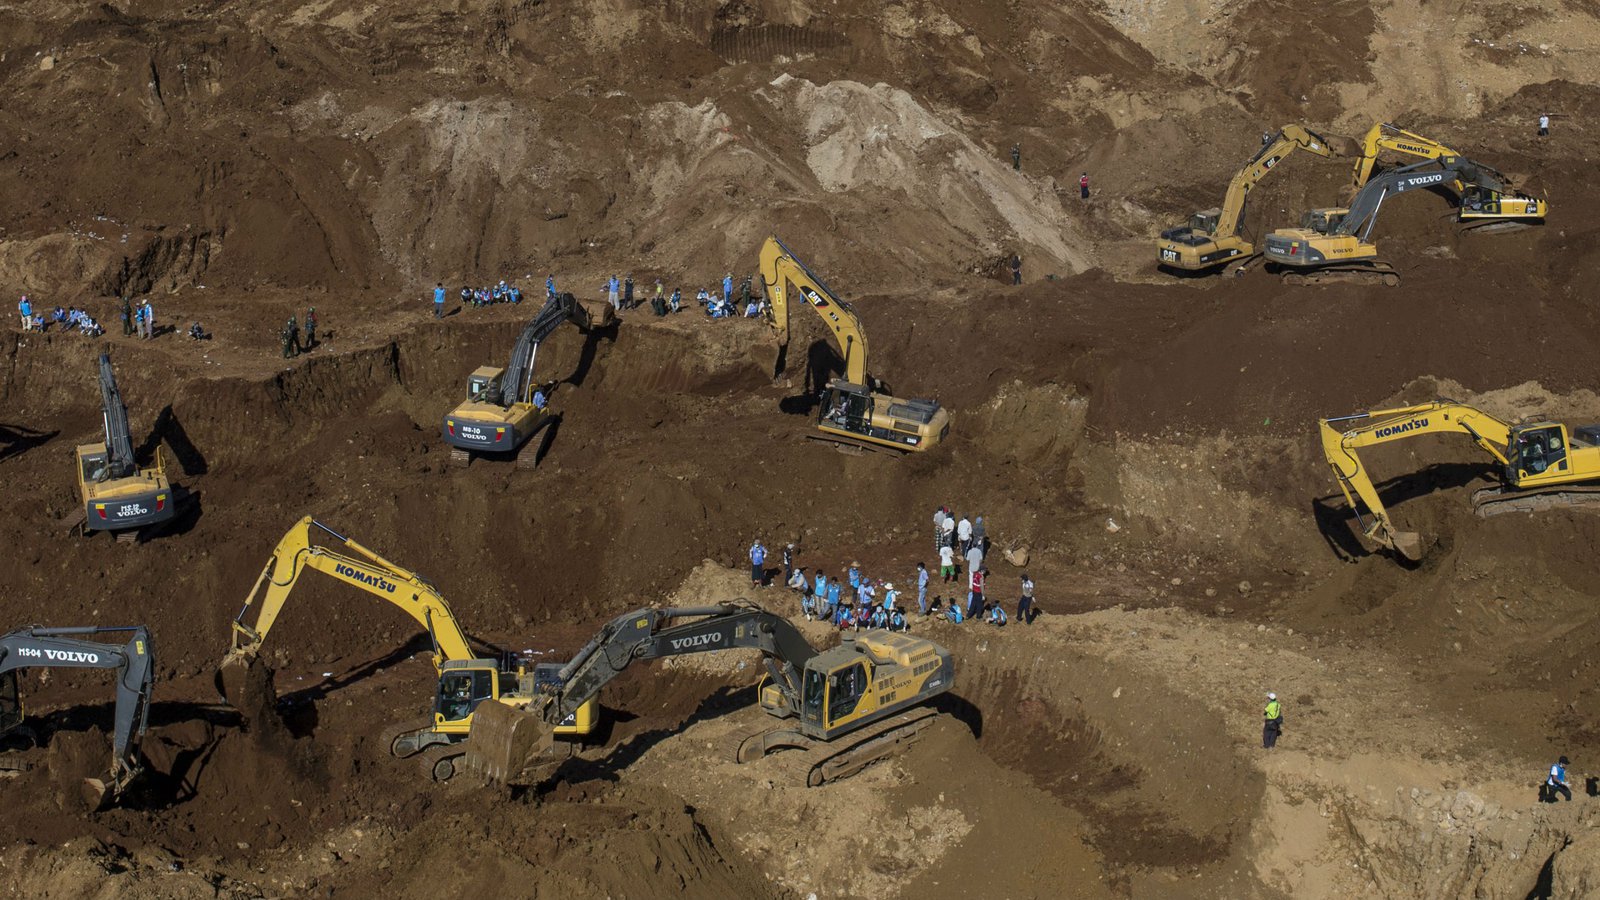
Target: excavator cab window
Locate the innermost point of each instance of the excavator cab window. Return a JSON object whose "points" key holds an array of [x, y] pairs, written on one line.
{"points": [[846, 409], [1540, 450], [94, 466], [811, 695], [1322, 221], [1205, 222], [461, 692], [10, 702], [845, 688]]}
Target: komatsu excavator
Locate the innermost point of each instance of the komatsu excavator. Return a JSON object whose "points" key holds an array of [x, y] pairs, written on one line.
{"points": [[1543, 465], [1336, 244], [134, 664], [840, 709], [1488, 203], [118, 495], [855, 411], [1211, 238], [466, 678], [499, 417]]}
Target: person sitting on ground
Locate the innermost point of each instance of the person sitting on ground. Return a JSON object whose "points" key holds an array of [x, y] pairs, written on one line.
{"points": [[997, 614], [752, 310], [466, 296], [808, 606], [196, 333], [539, 399], [936, 607], [59, 316], [880, 618], [842, 617], [797, 581], [897, 621], [953, 612], [87, 325], [863, 616], [677, 299]]}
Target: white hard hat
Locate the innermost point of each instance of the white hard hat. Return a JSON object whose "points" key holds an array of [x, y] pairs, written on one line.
{"points": [[1271, 696], [889, 586]]}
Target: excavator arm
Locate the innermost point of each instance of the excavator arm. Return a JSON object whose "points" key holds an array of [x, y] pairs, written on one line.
{"points": [[1386, 136], [1283, 145], [517, 384], [780, 267], [1344, 435], [1364, 207], [649, 634], [357, 566], [66, 648], [119, 442]]}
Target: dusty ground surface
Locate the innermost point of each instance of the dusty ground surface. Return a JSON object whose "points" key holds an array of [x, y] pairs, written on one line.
{"points": [[1151, 440]]}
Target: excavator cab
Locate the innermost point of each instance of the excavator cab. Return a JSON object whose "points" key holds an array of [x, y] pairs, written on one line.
{"points": [[1205, 222], [483, 385], [460, 692], [1323, 221], [1537, 450], [10, 703]]}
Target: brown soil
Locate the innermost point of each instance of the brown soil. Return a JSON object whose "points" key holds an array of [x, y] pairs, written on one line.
{"points": [[1150, 440]]}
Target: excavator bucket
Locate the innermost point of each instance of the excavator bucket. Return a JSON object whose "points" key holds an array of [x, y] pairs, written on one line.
{"points": [[96, 794], [505, 741], [598, 313], [1409, 544]]}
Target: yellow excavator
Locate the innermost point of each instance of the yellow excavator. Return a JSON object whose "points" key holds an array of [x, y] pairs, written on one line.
{"points": [[1544, 465], [1489, 203], [466, 678], [117, 495], [1211, 238], [504, 408], [829, 713], [856, 410]]}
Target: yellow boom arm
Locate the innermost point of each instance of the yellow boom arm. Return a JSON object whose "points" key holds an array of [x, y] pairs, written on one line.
{"points": [[1285, 143], [779, 267], [1384, 136], [360, 567], [1387, 425]]}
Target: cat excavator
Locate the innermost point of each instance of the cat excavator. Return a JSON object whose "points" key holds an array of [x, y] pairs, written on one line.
{"points": [[1488, 203], [117, 495], [1211, 237], [832, 713], [855, 411], [1543, 465], [500, 416], [466, 679], [134, 665]]}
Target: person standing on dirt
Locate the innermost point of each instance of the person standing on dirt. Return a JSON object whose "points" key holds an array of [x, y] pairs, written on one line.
{"points": [[677, 299], [975, 597], [949, 528], [661, 296], [727, 288], [758, 557], [1272, 722], [438, 300], [25, 309], [1556, 782], [1016, 268], [947, 564], [938, 527], [127, 315], [1083, 185], [627, 292], [974, 558], [311, 327], [613, 294], [1544, 124], [1016, 157], [980, 535], [922, 588], [1025, 602], [286, 336], [550, 285], [788, 560], [149, 319], [964, 534]]}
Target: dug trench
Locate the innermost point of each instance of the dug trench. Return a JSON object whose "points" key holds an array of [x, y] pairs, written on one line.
{"points": [[1112, 746]]}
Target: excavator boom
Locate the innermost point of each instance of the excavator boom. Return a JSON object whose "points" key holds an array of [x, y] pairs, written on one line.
{"points": [[780, 267], [119, 443], [134, 664]]}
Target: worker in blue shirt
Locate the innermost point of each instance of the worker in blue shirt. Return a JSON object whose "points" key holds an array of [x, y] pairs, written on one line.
{"points": [[1556, 782], [758, 558], [438, 300], [833, 597], [922, 588], [997, 615], [953, 612], [550, 285], [727, 288]]}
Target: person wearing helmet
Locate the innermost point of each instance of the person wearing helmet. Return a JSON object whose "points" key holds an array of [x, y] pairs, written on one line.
{"points": [[1272, 722], [1556, 782]]}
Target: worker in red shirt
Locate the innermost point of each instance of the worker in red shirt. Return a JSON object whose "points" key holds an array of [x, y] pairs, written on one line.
{"points": [[975, 599], [1083, 185]]}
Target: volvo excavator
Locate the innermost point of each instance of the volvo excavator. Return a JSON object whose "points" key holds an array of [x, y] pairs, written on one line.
{"points": [[1543, 465], [832, 713], [499, 417], [1336, 244], [117, 495], [1488, 203], [134, 664], [465, 677], [856, 410], [1211, 238]]}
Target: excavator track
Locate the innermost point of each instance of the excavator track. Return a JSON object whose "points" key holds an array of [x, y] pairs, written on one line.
{"points": [[852, 446], [528, 456], [1502, 226], [460, 458], [390, 738], [1346, 273], [131, 536], [820, 762], [1494, 501], [441, 761]]}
